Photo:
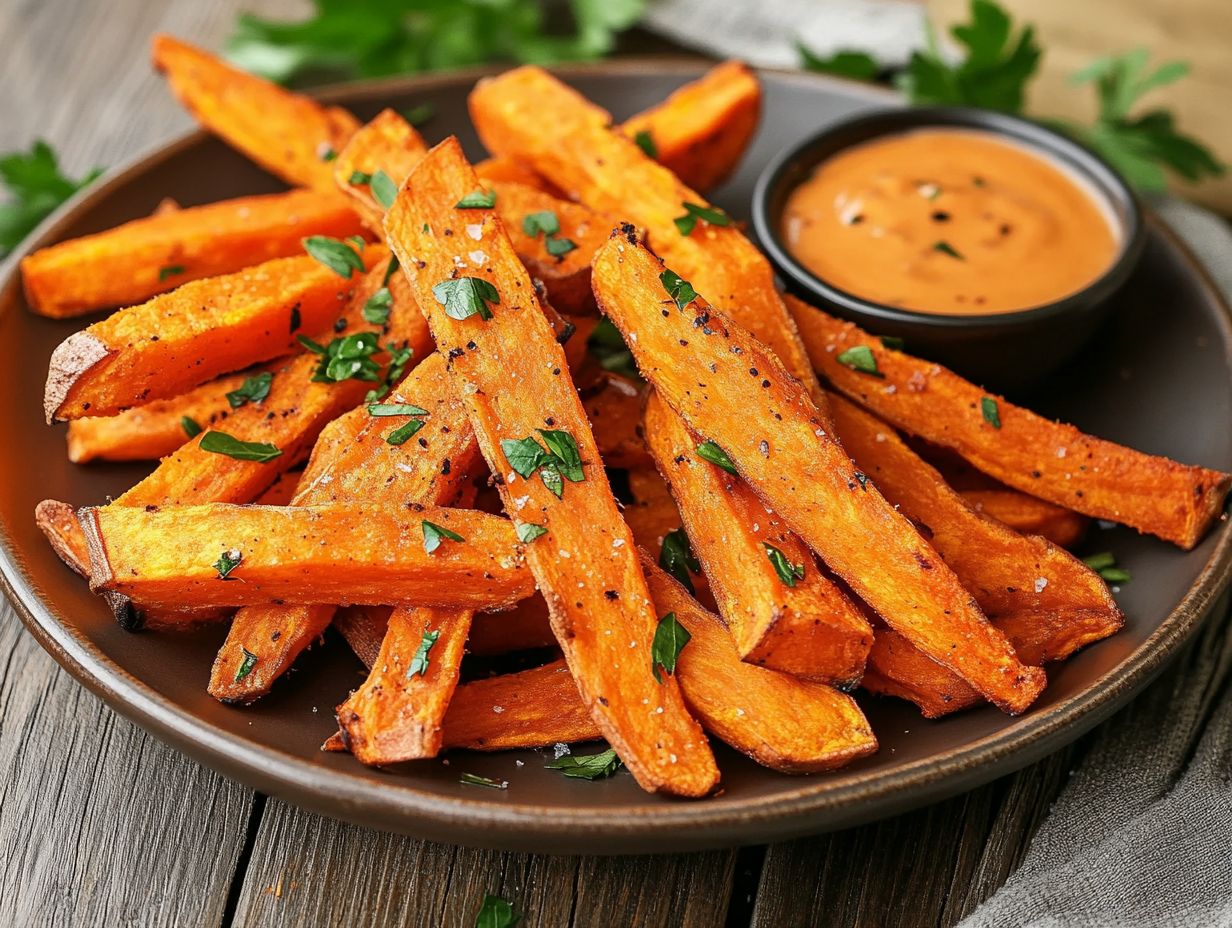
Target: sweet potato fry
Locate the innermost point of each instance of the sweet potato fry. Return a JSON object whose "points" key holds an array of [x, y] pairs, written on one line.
{"points": [[614, 407], [529, 115], [539, 707], [176, 341], [701, 131], [1028, 515], [1051, 460], [281, 491], [652, 515], [363, 627], [387, 143], [514, 381], [782, 722], [789, 616], [767, 424], [507, 170], [341, 553], [527, 625], [155, 430], [287, 134], [133, 262]]}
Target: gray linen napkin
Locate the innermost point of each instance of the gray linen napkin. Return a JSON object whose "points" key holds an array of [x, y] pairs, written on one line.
{"points": [[1141, 835]]}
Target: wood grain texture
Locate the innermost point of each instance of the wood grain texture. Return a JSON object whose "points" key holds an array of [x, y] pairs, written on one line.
{"points": [[308, 870]]}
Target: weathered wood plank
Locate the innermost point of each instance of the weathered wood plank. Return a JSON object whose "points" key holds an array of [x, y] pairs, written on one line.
{"points": [[309, 870]]}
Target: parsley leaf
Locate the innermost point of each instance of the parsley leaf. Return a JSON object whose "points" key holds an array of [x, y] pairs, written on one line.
{"points": [[1104, 564], [645, 141], [403, 433], [383, 189], [992, 415], [524, 455], [477, 199], [339, 257], [222, 443], [947, 249], [227, 562], [346, 358], [859, 66], [788, 572], [190, 426], [36, 186], [860, 358], [710, 451], [992, 75], [359, 178], [246, 665], [669, 640], [252, 390], [434, 534], [561, 461], [419, 662], [679, 289], [529, 531], [695, 211], [377, 307], [464, 297], [587, 766], [474, 779], [608, 348], [170, 270], [677, 558], [544, 222], [399, 358], [562, 446], [395, 409], [419, 114], [558, 247], [496, 913]]}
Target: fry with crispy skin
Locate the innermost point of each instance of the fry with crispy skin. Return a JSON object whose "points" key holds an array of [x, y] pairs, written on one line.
{"points": [[286, 133], [1051, 460], [800, 623], [137, 260], [514, 381], [769, 427], [1028, 515], [386, 143]]}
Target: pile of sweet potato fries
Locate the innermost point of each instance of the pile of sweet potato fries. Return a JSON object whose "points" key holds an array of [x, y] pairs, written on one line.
{"points": [[800, 509]]}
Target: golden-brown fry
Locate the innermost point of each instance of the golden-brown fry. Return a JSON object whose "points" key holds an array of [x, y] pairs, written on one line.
{"points": [[388, 143], [614, 407], [1051, 460], [398, 712], [363, 627], [507, 170], [528, 114], [514, 381], [1028, 515], [782, 722], [800, 623], [281, 491], [176, 341], [701, 131], [769, 427], [133, 262], [155, 430], [340, 553], [287, 134]]}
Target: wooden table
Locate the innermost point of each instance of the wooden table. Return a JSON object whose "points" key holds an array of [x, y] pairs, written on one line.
{"points": [[100, 824]]}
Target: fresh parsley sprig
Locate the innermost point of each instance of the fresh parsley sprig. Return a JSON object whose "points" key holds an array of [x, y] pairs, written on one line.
{"points": [[36, 186]]}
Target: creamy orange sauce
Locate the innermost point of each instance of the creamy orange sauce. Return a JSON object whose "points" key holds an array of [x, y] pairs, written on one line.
{"points": [[949, 221]]}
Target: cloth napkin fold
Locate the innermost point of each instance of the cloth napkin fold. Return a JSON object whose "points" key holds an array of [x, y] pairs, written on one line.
{"points": [[1141, 835]]}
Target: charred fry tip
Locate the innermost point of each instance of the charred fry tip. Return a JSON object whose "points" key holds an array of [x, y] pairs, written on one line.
{"points": [[127, 616], [627, 231]]}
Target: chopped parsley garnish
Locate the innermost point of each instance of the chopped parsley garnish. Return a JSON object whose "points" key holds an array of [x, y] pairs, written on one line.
{"points": [[171, 270], [419, 114], [338, 256], [35, 186], [403, 433], [477, 199], [190, 426], [558, 247], [327, 154], [669, 640], [496, 913], [608, 348], [434, 534], [464, 297], [679, 289], [562, 459], [252, 390], [359, 178], [473, 779], [893, 342], [645, 141], [710, 451], [296, 319], [227, 562], [694, 212], [346, 358], [357, 241], [587, 766], [988, 406], [399, 358], [529, 531], [246, 665], [860, 358], [947, 249], [789, 573], [677, 558], [376, 308], [546, 224], [383, 189], [419, 662], [1104, 564], [222, 443], [395, 409]]}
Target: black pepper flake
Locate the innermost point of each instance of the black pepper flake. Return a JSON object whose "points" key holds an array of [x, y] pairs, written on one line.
{"points": [[863, 480], [423, 443], [611, 594], [340, 323], [765, 383], [940, 215], [455, 353], [764, 447], [549, 421], [471, 346], [603, 700], [446, 466]]}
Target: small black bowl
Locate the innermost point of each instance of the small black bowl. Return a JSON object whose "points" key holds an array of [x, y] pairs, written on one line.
{"points": [[1007, 350]]}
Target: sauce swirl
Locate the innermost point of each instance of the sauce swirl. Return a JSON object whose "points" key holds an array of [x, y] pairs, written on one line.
{"points": [[949, 221]]}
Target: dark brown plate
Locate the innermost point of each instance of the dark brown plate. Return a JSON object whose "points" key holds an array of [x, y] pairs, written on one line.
{"points": [[1158, 377]]}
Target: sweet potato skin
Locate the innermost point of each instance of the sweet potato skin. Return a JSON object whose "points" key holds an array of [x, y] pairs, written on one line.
{"points": [[777, 439], [205, 328], [527, 114], [1051, 460], [137, 260], [514, 380], [810, 629], [285, 133], [340, 553], [701, 131]]}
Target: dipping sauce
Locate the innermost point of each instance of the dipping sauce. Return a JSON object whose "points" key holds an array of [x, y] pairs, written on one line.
{"points": [[949, 221]]}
